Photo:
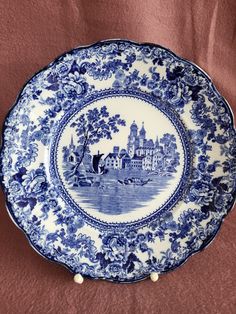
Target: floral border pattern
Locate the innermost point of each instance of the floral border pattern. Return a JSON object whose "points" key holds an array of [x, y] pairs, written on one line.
{"points": [[129, 254]]}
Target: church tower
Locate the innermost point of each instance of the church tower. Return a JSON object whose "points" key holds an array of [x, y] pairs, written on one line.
{"points": [[142, 136], [72, 145], [156, 146], [157, 142], [134, 129], [132, 139]]}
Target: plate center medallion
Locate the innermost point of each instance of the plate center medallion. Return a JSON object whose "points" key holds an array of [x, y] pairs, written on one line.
{"points": [[121, 159]]}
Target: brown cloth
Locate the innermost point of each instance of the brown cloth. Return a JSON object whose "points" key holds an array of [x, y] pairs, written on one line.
{"points": [[33, 33]]}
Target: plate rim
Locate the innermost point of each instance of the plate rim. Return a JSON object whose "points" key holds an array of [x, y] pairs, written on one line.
{"points": [[8, 205]]}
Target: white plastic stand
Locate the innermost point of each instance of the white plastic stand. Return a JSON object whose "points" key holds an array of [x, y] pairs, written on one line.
{"points": [[154, 276], [78, 278]]}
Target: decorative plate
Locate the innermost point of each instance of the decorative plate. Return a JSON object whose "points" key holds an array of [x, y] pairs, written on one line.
{"points": [[118, 160]]}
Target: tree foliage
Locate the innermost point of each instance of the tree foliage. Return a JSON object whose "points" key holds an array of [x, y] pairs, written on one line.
{"points": [[94, 125]]}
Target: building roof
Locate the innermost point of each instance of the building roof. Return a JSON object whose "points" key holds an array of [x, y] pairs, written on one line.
{"points": [[145, 147], [149, 144], [112, 155], [125, 155], [137, 157], [74, 153]]}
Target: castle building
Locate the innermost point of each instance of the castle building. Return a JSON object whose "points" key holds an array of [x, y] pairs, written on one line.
{"points": [[141, 153], [112, 161], [146, 149], [138, 144], [133, 140], [157, 157], [136, 162], [125, 161], [118, 159], [147, 162]]}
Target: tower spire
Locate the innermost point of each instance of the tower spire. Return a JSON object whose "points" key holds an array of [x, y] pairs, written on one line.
{"points": [[72, 141]]}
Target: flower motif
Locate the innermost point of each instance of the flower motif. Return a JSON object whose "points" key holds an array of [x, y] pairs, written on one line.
{"points": [[74, 85], [16, 188], [114, 269], [201, 193], [35, 181], [115, 247]]}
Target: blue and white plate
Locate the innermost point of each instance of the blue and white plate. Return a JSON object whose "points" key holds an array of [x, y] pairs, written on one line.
{"points": [[118, 160]]}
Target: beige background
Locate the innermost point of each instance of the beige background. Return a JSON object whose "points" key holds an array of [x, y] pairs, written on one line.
{"points": [[33, 33]]}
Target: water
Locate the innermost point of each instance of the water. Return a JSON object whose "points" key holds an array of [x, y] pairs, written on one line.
{"points": [[113, 198]]}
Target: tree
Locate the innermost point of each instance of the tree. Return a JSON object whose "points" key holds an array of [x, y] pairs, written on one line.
{"points": [[170, 155], [91, 127]]}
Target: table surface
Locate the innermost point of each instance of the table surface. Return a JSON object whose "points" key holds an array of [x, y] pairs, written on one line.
{"points": [[33, 33]]}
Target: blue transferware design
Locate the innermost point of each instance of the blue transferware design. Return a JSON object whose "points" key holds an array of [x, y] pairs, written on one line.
{"points": [[118, 159], [146, 167], [111, 180]]}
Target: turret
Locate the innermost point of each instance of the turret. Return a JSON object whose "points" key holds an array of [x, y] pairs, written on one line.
{"points": [[133, 129], [142, 132], [132, 139], [116, 150]]}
